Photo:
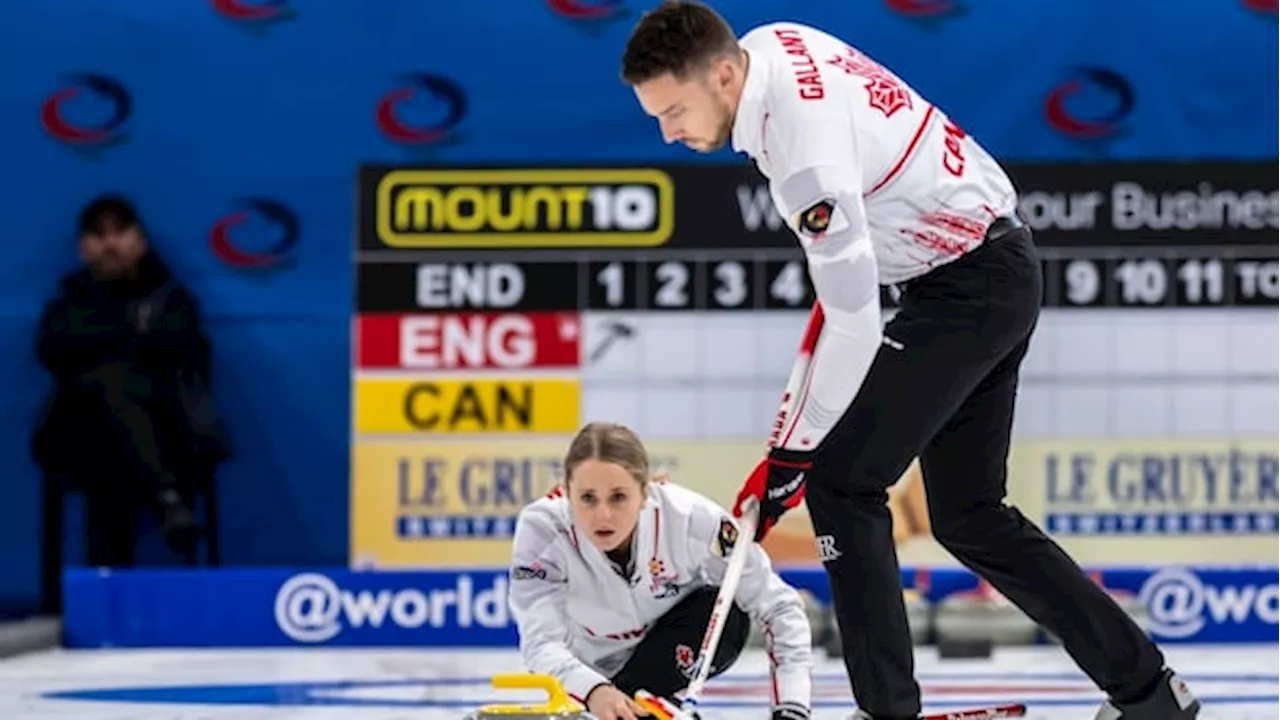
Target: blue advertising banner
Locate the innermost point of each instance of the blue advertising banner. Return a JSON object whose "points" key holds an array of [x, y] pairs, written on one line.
{"points": [[281, 607], [255, 608]]}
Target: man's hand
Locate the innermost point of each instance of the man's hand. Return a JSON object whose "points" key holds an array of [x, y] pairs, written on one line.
{"points": [[777, 483]]}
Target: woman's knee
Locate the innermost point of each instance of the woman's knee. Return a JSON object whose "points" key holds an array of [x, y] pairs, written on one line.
{"points": [[732, 641]]}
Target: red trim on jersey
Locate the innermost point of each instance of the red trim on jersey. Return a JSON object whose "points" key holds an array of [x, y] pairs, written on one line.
{"points": [[911, 148], [657, 528]]}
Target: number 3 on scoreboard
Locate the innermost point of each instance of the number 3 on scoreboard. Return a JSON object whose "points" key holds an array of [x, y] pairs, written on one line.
{"points": [[730, 286]]}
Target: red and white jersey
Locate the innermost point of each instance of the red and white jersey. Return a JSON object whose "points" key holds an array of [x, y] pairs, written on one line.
{"points": [[878, 185], [812, 102], [579, 619]]}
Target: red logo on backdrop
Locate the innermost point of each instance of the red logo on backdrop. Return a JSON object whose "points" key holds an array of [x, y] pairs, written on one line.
{"points": [[588, 10], [424, 110], [927, 13], [254, 12], [476, 341], [88, 112], [1261, 6], [259, 234], [921, 8], [1092, 104]]}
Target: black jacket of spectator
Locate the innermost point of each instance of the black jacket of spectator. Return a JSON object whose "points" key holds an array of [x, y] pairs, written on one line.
{"points": [[143, 331]]}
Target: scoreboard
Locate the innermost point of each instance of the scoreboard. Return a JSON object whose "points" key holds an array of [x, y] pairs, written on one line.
{"points": [[706, 237], [498, 309], [755, 280]]}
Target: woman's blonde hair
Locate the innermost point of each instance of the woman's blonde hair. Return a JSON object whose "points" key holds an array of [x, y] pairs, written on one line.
{"points": [[611, 443]]}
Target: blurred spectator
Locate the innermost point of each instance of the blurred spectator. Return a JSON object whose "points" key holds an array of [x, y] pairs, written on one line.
{"points": [[130, 423]]}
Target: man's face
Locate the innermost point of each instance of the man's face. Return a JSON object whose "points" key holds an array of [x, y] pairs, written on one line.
{"points": [[112, 251], [697, 111]]}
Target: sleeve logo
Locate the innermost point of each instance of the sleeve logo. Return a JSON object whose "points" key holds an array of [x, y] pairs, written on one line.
{"points": [[524, 572], [815, 221], [725, 538]]}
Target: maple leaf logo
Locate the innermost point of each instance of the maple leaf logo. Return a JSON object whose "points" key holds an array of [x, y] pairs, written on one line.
{"points": [[884, 92], [684, 656]]}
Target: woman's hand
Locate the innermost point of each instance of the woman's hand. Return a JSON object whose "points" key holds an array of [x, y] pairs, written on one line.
{"points": [[607, 702]]}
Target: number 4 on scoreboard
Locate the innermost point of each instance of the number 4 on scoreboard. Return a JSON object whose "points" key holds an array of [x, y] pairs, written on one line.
{"points": [[788, 285]]}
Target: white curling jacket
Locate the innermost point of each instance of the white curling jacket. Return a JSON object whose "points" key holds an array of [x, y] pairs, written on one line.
{"points": [[579, 619], [878, 185]]}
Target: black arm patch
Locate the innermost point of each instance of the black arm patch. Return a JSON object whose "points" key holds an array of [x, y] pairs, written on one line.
{"points": [[815, 220]]}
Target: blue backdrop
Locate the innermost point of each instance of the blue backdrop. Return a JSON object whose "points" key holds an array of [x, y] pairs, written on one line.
{"points": [[237, 125]]}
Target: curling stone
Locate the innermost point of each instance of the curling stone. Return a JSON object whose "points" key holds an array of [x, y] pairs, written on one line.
{"points": [[970, 624], [975, 649], [919, 616], [919, 619], [559, 706]]}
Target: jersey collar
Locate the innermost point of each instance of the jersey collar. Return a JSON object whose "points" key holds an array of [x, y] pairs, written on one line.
{"points": [[748, 134]]}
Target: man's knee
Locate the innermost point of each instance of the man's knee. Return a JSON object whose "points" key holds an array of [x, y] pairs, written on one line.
{"points": [[836, 513], [692, 615], [864, 478], [975, 529]]}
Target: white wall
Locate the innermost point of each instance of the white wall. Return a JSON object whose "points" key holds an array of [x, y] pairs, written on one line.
{"points": [[1117, 373], [1127, 373]]}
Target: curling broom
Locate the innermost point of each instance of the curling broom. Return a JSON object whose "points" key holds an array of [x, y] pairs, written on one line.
{"points": [[659, 707]]}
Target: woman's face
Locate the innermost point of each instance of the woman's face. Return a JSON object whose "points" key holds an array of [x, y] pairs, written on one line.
{"points": [[606, 502]]}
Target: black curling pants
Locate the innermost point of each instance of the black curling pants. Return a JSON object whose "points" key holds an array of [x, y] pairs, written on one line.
{"points": [[942, 388], [663, 660]]}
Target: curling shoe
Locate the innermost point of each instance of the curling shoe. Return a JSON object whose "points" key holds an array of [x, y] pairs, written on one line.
{"points": [[1171, 700]]}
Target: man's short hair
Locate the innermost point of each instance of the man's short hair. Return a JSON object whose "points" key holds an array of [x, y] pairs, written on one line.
{"points": [[677, 37], [108, 212]]}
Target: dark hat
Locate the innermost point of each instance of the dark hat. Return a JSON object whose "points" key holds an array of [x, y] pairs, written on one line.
{"points": [[108, 212]]}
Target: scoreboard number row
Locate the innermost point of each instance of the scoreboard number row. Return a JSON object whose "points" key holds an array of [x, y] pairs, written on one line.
{"points": [[781, 283], [1152, 282], [685, 285]]}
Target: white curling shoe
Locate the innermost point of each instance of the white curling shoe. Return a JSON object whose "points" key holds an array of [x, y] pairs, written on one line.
{"points": [[1172, 700]]}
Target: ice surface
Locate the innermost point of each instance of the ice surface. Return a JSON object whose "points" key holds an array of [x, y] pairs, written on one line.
{"points": [[1235, 683]]}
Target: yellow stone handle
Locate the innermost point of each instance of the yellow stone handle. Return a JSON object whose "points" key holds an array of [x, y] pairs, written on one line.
{"points": [[558, 701]]}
